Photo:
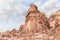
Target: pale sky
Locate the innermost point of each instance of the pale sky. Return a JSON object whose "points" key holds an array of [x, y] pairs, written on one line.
{"points": [[13, 12]]}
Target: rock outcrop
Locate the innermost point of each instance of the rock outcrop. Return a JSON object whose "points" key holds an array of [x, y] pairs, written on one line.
{"points": [[54, 22], [35, 20], [37, 27]]}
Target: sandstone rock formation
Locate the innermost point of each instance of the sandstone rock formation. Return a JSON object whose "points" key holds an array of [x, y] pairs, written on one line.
{"points": [[54, 22], [35, 20], [37, 27]]}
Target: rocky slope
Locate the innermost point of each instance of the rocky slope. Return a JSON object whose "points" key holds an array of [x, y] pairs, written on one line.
{"points": [[37, 27]]}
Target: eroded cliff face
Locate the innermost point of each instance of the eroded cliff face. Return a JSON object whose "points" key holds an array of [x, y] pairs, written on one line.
{"points": [[54, 22], [35, 20], [37, 27]]}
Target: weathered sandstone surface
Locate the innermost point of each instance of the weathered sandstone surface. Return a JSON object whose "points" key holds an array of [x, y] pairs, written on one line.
{"points": [[37, 27]]}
